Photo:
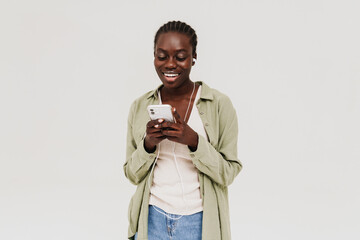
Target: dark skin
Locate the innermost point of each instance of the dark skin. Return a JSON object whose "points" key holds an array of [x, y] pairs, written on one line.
{"points": [[173, 55]]}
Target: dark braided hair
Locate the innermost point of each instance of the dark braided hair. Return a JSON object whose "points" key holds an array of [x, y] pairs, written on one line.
{"points": [[180, 27]]}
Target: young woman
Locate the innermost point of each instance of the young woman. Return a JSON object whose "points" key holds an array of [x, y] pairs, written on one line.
{"points": [[181, 168]]}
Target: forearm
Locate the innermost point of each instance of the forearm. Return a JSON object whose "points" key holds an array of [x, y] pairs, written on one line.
{"points": [[222, 168], [138, 160]]}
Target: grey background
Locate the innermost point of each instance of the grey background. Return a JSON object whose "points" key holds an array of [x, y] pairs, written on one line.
{"points": [[70, 69]]}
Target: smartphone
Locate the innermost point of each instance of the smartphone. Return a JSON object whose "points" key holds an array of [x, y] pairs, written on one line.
{"points": [[160, 111]]}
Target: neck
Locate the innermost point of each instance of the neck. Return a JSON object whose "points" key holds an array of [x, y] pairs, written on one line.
{"points": [[179, 92]]}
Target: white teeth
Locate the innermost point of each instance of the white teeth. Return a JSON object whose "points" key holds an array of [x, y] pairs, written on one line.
{"points": [[171, 74]]}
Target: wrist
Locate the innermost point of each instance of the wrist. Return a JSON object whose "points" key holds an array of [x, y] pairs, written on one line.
{"points": [[148, 147], [194, 145]]}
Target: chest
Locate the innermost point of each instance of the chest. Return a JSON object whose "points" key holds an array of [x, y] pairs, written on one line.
{"points": [[183, 107], [208, 113]]}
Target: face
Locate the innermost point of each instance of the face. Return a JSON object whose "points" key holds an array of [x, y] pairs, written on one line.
{"points": [[173, 59]]}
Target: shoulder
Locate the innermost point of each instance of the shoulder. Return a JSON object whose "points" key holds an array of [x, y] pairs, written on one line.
{"points": [[221, 97], [216, 96], [145, 99], [138, 105]]}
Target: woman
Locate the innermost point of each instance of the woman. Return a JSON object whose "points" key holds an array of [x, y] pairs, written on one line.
{"points": [[181, 168]]}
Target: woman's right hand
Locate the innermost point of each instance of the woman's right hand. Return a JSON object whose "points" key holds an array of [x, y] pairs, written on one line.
{"points": [[153, 135]]}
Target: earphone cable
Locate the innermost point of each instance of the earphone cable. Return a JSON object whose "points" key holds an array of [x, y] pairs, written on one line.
{"points": [[175, 160]]}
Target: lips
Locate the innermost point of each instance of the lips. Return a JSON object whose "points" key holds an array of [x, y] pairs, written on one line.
{"points": [[171, 76]]}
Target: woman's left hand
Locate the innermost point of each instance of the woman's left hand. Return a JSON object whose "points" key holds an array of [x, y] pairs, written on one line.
{"points": [[180, 132]]}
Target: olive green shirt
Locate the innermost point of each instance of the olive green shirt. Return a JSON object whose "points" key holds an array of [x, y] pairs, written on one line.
{"points": [[216, 161]]}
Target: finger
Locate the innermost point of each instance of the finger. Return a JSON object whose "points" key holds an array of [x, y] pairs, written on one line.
{"points": [[162, 137], [155, 128], [153, 131], [156, 136], [152, 123], [170, 133], [155, 139], [170, 125], [176, 115]]}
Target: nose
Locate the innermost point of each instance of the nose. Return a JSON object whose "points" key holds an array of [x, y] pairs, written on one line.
{"points": [[170, 63]]}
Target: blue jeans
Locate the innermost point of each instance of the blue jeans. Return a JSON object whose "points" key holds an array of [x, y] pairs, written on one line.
{"points": [[173, 227]]}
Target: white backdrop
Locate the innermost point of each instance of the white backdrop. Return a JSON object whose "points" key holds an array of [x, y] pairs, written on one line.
{"points": [[69, 70]]}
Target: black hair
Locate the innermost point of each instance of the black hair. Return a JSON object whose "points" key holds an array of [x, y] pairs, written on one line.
{"points": [[180, 27]]}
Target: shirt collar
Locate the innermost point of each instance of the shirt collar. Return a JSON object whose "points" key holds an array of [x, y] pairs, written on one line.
{"points": [[205, 92]]}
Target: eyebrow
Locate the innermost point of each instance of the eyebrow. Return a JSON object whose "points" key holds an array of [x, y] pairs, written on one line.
{"points": [[177, 51]]}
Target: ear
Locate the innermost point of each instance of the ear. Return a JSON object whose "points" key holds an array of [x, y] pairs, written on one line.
{"points": [[194, 59]]}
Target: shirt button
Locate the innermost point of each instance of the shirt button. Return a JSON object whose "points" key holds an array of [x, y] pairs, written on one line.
{"points": [[206, 124], [192, 155], [201, 113], [150, 157]]}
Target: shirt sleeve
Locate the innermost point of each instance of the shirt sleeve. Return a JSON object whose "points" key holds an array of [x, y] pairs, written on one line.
{"points": [[221, 164], [138, 161]]}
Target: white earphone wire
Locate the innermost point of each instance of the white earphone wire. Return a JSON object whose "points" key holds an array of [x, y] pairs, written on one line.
{"points": [[176, 164]]}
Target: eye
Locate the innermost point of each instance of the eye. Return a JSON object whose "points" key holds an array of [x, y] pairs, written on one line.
{"points": [[181, 59], [161, 58]]}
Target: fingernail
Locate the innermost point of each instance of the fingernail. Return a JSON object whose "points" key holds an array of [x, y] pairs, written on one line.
{"points": [[156, 126], [160, 120]]}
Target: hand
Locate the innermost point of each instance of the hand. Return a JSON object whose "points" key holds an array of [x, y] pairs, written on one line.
{"points": [[180, 132], [153, 135]]}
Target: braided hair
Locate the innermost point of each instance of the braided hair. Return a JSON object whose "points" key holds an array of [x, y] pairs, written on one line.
{"points": [[180, 27]]}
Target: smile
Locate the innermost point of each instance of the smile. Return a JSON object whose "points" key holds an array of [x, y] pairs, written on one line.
{"points": [[171, 75]]}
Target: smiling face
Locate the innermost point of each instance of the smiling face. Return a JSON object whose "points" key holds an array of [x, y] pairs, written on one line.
{"points": [[173, 59]]}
